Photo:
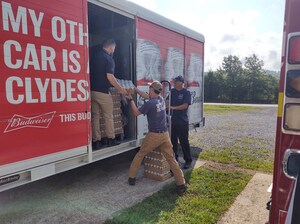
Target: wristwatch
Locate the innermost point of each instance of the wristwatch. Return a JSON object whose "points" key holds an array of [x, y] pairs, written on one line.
{"points": [[130, 100]]}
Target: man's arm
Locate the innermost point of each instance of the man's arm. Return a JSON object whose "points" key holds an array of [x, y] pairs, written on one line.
{"points": [[142, 93], [185, 105], [112, 79], [180, 107], [134, 109]]}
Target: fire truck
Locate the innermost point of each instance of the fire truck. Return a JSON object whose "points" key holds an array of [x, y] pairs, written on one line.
{"points": [[285, 201], [45, 52]]}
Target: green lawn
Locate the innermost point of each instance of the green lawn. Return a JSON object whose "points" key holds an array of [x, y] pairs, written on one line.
{"points": [[210, 194], [212, 190], [244, 157], [224, 109]]}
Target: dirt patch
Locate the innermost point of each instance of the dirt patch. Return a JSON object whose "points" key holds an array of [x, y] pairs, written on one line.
{"points": [[227, 167]]}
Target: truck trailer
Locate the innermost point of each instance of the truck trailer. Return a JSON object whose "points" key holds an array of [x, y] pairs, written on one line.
{"points": [[46, 52]]}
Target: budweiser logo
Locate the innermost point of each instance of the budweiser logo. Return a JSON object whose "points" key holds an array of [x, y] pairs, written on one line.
{"points": [[18, 122]]}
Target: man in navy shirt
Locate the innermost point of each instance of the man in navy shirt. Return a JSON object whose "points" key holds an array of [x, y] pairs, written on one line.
{"points": [[157, 137], [180, 101], [102, 78]]}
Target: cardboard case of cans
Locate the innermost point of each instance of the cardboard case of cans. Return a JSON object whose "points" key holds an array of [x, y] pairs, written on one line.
{"points": [[156, 166], [117, 110]]}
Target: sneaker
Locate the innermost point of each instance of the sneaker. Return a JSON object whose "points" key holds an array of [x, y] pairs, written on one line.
{"points": [[181, 189], [97, 145], [112, 142], [131, 181], [187, 165]]}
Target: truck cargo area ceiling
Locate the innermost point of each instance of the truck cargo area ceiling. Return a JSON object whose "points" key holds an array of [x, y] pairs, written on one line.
{"points": [[101, 19]]}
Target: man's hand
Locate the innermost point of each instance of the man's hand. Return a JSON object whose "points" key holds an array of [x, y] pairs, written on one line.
{"points": [[129, 97], [135, 110], [123, 91]]}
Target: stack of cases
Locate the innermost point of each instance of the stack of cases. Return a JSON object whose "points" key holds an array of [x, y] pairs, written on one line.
{"points": [[117, 113], [128, 85], [156, 166]]}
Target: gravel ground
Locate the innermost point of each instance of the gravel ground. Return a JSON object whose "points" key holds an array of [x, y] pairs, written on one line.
{"points": [[255, 129], [93, 193], [89, 194]]}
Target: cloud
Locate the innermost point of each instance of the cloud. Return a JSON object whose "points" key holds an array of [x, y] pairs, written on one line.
{"points": [[213, 48], [230, 38], [238, 35], [273, 55], [226, 51]]}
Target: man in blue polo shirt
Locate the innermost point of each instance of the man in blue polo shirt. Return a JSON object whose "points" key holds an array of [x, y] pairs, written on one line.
{"points": [[157, 137], [102, 78], [180, 101]]}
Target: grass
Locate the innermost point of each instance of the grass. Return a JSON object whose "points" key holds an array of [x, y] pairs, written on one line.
{"points": [[210, 194], [211, 191], [244, 157], [254, 142], [226, 109]]}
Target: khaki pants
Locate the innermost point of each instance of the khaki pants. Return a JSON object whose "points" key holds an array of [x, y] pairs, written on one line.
{"points": [[102, 102], [163, 142]]}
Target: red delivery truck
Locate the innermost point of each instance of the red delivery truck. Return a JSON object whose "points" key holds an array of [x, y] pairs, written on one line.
{"points": [[285, 201], [46, 47]]}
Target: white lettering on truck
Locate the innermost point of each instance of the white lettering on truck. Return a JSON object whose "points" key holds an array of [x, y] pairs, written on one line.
{"points": [[21, 56], [61, 90], [59, 30], [30, 58], [20, 19]]}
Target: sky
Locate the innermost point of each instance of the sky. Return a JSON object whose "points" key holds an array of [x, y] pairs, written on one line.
{"points": [[236, 27]]}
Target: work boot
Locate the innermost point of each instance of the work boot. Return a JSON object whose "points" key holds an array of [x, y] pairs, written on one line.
{"points": [[131, 181], [112, 142], [96, 145], [187, 165], [180, 189], [104, 142]]}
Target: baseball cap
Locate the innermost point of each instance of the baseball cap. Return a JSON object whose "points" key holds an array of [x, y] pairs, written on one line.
{"points": [[156, 85], [179, 79]]}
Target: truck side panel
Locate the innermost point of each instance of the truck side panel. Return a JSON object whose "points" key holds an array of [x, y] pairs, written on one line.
{"points": [[44, 86], [194, 54], [159, 56], [163, 54]]}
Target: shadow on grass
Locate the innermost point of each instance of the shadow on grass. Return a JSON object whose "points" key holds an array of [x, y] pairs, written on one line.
{"points": [[210, 194], [150, 209]]}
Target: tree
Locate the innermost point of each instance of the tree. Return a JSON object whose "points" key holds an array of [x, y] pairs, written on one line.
{"points": [[232, 67], [232, 83], [213, 86], [253, 76]]}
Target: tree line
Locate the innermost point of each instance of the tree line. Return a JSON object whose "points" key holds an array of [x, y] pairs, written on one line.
{"points": [[235, 82]]}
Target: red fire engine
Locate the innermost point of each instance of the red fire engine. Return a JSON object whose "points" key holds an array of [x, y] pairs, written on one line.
{"points": [[285, 204]]}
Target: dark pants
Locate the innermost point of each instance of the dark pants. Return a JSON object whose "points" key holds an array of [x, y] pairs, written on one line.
{"points": [[181, 132]]}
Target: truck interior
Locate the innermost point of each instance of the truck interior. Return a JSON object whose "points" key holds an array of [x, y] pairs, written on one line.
{"points": [[106, 24]]}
